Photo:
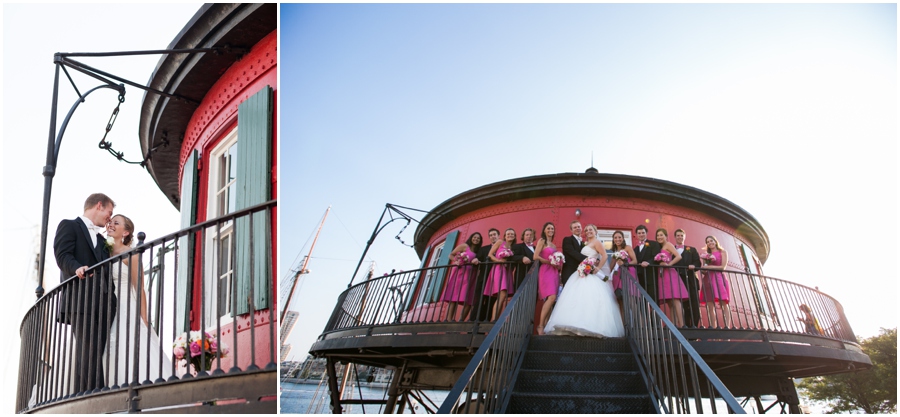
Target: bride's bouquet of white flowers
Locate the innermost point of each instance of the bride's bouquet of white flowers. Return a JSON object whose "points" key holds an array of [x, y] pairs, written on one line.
{"points": [[557, 259]]}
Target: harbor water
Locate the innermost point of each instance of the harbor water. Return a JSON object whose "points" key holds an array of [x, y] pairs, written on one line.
{"points": [[306, 398]]}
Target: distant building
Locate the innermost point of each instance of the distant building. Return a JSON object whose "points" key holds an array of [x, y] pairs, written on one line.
{"points": [[290, 319]]}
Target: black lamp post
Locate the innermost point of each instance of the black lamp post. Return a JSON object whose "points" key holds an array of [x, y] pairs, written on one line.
{"points": [[63, 60]]}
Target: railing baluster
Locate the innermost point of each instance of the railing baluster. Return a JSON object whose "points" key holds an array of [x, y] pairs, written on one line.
{"points": [[60, 360], [176, 252], [252, 300], [273, 336]]}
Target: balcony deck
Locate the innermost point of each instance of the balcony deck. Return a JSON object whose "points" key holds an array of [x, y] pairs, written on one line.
{"points": [[408, 328], [56, 360], [242, 392]]}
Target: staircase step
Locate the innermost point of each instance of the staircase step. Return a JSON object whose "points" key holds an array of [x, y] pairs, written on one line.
{"points": [[578, 361], [532, 403], [578, 344], [578, 382]]}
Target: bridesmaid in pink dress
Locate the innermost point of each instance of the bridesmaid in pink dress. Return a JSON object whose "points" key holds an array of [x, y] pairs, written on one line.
{"points": [[459, 288], [499, 281], [548, 275], [671, 288], [714, 286], [619, 245]]}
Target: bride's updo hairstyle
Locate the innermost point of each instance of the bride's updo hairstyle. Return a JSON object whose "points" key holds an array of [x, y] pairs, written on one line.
{"points": [[129, 227]]}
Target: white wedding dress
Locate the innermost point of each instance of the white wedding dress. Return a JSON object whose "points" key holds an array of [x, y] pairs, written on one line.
{"points": [[587, 306], [121, 343]]}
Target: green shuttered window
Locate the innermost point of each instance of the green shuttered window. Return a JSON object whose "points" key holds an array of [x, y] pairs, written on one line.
{"points": [[253, 270], [436, 283]]}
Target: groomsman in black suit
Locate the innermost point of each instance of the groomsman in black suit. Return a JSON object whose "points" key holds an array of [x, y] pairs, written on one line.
{"points": [[523, 255], [485, 303], [645, 250], [690, 260], [571, 249], [87, 304]]}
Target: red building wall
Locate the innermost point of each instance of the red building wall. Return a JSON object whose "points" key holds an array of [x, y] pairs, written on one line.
{"points": [[611, 213], [607, 213], [215, 117]]}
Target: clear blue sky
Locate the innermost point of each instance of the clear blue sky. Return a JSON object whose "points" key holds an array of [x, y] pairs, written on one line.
{"points": [[786, 110]]}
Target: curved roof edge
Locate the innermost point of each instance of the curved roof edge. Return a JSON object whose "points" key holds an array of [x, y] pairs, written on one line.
{"points": [[191, 76], [589, 184]]}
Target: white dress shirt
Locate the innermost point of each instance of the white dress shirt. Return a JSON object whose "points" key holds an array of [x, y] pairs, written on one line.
{"points": [[92, 230]]}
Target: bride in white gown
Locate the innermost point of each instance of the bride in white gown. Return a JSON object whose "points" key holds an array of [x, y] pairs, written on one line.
{"points": [[587, 305], [119, 369]]}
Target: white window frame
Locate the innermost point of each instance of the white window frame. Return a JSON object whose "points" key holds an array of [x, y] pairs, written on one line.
{"points": [[225, 233]]}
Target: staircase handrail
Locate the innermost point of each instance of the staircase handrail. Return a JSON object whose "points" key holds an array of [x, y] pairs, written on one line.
{"points": [[498, 359], [661, 350]]}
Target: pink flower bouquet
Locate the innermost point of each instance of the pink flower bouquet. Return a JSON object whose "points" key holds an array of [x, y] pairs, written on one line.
{"points": [[662, 257], [557, 259], [462, 258], [196, 347], [708, 257], [621, 256], [587, 267], [504, 253]]}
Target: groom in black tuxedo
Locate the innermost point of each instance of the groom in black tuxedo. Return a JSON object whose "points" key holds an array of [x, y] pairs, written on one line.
{"points": [[645, 250], [690, 261], [571, 249], [87, 303]]}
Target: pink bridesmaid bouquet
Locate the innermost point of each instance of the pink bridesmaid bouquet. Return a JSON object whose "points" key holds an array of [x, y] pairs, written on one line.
{"points": [[557, 260], [708, 257], [662, 257], [462, 258], [504, 253]]}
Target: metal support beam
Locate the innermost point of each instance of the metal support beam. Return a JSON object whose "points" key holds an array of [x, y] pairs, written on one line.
{"points": [[332, 386], [393, 390]]}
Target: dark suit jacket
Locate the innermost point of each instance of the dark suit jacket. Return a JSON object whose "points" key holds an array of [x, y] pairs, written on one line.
{"points": [[648, 252], [520, 252], [572, 251], [72, 248], [689, 256], [647, 276]]}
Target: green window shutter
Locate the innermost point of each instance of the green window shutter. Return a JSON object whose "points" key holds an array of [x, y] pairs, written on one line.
{"points": [[434, 289], [253, 186], [188, 210]]}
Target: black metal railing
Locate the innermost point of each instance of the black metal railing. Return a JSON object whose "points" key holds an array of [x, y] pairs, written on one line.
{"points": [[678, 380], [486, 384], [450, 293], [443, 294], [744, 301], [102, 334]]}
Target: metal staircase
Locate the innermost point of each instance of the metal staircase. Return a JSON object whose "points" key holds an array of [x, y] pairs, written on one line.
{"points": [[571, 374]]}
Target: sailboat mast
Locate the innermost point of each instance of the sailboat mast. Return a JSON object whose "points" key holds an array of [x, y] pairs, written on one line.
{"points": [[303, 268]]}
